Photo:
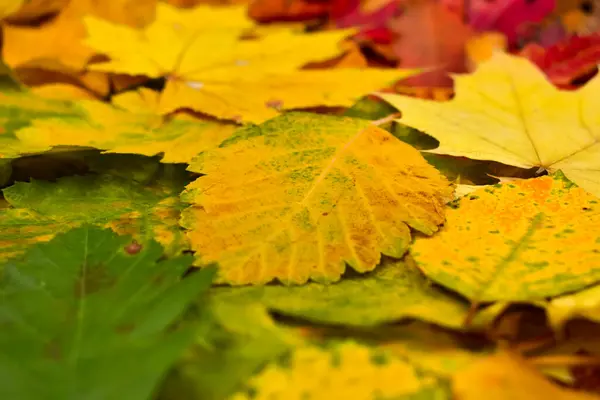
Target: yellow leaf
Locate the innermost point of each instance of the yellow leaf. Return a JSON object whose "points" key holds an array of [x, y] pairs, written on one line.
{"points": [[62, 91], [507, 376], [140, 131], [9, 6], [24, 11], [303, 194], [507, 111], [57, 43], [215, 72], [348, 371], [585, 303], [537, 238]]}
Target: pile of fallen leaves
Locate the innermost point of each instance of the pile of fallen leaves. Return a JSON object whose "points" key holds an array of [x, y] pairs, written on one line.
{"points": [[235, 201]]}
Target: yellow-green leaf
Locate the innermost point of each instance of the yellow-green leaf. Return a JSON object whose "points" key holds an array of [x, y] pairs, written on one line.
{"points": [[346, 371], [507, 111], [393, 292], [129, 126], [303, 194], [520, 241]]}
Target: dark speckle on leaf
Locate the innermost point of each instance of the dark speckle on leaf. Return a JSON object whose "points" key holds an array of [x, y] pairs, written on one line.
{"points": [[133, 248]]}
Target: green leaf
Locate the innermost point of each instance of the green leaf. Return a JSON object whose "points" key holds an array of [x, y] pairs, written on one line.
{"points": [[394, 291], [234, 342], [41, 209], [82, 318]]}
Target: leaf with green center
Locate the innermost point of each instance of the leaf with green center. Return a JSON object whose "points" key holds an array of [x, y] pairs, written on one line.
{"points": [[83, 318], [131, 126], [301, 195], [537, 238], [392, 292], [19, 110], [41, 209]]}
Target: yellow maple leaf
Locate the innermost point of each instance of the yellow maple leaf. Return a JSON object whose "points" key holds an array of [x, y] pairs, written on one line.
{"points": [[217, 73], [507, 111], [131, 127], [537, 238], [303, 194], [57, 44]]}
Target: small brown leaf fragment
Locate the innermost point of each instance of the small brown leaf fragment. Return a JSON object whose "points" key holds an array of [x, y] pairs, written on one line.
{"points": [[133, 248], [275, 104]]}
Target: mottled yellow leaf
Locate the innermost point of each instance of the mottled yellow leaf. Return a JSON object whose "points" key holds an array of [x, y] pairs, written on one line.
{"points": [[215, 72], [507, 111], [507, 376], [301, 195], [520, 241], [57, 43], [132, 128], [347, 371]]}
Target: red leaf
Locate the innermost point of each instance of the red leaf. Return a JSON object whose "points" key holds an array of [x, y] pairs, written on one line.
{"points": [[287, 10], [373, 25], [510, 17], [567, 61], [430, 35]]}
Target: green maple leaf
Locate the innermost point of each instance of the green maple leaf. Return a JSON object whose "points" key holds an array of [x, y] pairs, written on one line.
{"points": [[82, 318]]}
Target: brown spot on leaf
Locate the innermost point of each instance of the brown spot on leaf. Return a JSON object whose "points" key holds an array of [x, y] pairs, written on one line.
{"points": [[275, 104], [133, 248]]}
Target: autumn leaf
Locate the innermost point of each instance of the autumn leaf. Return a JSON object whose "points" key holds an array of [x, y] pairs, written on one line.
{"points": [[10, 6], [233, 342], [538, 238], [56, 45], [39, 210], [245, 80], [303, 194], [508, 376], [84, 318], [430, 36], [394, 291], [585, 304], [346, 370], [19, 110], [508, 112], [129, 126], [566, 61]]}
